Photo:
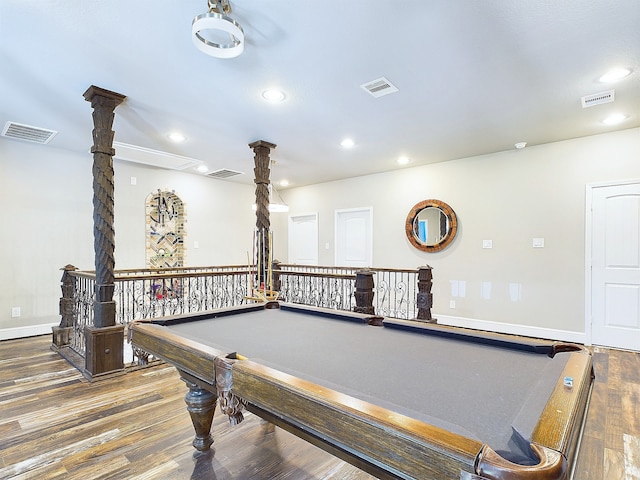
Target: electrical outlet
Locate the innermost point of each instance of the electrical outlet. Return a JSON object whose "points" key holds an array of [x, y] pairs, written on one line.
{"points": [[15, 312], [452, 304]]}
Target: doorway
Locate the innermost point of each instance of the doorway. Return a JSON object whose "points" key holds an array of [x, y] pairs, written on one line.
{"points": [[613, 264], [354, 240], [303, 239]]}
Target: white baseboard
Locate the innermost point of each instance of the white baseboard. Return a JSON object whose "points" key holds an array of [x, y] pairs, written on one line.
{"points": [[512, 328], [28, 331]]}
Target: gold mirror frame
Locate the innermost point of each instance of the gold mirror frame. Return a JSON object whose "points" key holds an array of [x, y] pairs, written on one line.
{"points": [[452, 225]]}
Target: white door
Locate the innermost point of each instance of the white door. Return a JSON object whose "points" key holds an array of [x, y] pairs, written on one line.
{"points": [[303, 239], [615, 261], [354, 241]]}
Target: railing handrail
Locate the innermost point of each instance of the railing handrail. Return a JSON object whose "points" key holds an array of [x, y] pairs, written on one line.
{"points": [[346, 276], [284, 266], [161, 274]]}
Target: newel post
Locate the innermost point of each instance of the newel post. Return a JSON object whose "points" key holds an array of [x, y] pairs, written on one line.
{"points": [[62, 333], [275, 269], [105, 339], [364, 292], [424, 296]]}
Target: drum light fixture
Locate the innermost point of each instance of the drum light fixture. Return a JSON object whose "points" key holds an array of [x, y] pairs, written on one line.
{"points": [[207, 27]]}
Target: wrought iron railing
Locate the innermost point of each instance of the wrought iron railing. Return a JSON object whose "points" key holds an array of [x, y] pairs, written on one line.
{"points": [[143, 293], [395, 290], [317, 289]]}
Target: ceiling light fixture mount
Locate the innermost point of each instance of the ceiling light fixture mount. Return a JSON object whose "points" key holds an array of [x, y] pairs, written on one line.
{"points": [[347, 143], [273, 95], [216, 22], [615, 119], [615, 74]]}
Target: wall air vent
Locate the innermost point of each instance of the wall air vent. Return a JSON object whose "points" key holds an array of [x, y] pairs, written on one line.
{"points": [[18, 131], [598, 98], [224, 173], [379, 87]]}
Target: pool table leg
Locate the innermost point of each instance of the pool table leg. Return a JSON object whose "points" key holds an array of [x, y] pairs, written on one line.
{"points": [[201, 405]]}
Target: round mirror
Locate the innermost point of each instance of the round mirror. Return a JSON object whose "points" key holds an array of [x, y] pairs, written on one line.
{"points": [[431, 225]]}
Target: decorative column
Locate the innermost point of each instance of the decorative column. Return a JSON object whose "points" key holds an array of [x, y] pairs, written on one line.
{"points": [[424, 298], [262, 149], [104, 341]]}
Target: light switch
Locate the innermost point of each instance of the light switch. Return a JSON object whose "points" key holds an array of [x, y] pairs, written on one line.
{"points": [[134, 180], [538, 243], [487, 243]]}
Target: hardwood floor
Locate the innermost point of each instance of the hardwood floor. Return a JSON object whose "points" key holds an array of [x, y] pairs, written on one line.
{"points": [[56, 425]]}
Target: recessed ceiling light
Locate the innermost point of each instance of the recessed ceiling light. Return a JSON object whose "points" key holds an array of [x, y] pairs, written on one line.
{"points": [[520, 145], [347, 143], [273, 95], [403, 160], [177, 137], [614, 75], [202, 168], [615, 119]]}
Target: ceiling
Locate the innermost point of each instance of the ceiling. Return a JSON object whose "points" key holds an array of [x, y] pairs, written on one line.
{"points": [[473, 77]]}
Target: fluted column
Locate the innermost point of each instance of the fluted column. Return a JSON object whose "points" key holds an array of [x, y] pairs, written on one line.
{"points": [[104, 340], [262, 149]]}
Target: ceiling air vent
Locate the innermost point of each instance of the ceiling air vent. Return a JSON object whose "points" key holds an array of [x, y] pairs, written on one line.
{"points": [[223, 173], [598, 98], [18, 131], [379, 87]]}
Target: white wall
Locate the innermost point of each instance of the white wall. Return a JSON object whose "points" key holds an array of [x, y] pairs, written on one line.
{"points": [[509, 197], [47, 219], [219, 215]]}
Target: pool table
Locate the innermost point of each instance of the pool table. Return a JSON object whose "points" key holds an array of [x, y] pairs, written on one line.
{"points": [[398, 399]]}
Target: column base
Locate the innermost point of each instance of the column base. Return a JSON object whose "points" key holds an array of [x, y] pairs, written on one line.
{"points": [[104, 351]]}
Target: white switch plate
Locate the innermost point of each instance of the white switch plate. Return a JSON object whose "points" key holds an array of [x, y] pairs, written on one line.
{"points": [[15, 312], [134, 180], [326, 246], [452, 304], [487, 243], [196, 244], [538, 243]]}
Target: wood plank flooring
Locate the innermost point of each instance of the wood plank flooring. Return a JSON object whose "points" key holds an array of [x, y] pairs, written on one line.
{"points": [[56, 425]]}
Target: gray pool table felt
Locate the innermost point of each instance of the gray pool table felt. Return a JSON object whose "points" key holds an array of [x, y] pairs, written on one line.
{"points": [[474, 390]]}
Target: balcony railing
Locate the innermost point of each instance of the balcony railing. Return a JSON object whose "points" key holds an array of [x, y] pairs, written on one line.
{"points": [[143, 294]]}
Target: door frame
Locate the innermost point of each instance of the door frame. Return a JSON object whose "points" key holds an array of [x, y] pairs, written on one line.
{"points": [[588, 256]]}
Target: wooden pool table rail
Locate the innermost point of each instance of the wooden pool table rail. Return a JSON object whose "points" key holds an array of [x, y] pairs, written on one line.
{"points": [[377, 440]]}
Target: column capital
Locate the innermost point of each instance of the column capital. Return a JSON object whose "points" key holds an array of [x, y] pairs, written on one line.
{"points": [[93, 92], [262, 143]]}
